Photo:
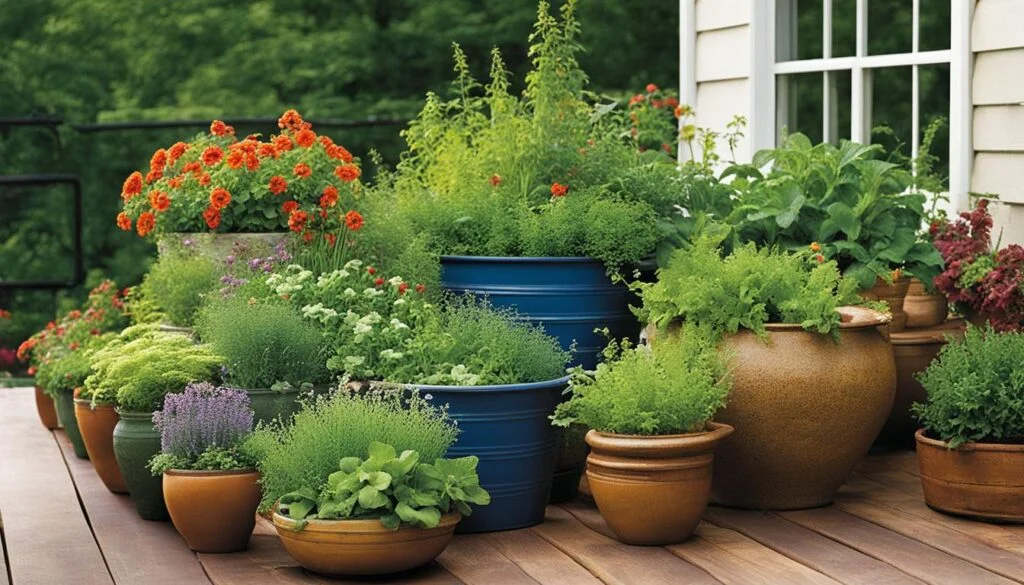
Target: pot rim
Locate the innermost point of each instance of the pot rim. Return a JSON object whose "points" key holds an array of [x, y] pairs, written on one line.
{"points": [[262, 391], [210, 472], [98, 404], [923, 439], [853, 317], [357, 526], [670, 445], [134, 415], [523, 387]]}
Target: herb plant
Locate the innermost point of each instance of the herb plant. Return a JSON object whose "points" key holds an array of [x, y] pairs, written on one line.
{"points": [[177, 283], [975, 389], [674, 386], [397, 488]]}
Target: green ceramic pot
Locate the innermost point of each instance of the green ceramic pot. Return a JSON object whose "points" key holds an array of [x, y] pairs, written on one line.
{"points": [[136, 441], [65, 403], [572, 459], [268, 405]]}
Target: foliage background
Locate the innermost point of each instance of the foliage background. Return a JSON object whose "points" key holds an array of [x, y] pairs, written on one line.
{"points": [[111, 60]]}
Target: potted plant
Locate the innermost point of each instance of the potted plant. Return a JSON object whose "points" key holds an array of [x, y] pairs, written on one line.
{"points": [[210, 483], [971, 446], [925, 306], [813, 379], [177, 283], [30, 351], [140, 368], [96, 413], [652, 440]]}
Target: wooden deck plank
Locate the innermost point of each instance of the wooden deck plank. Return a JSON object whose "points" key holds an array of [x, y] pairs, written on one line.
{"points": [[615, 563], [476, 561], [539, 559], [809, 548], [43, 521], [136, 550], [915, 558]]}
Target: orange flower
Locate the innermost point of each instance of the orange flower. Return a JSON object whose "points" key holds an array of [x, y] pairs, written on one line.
{"points": [[124, 222], [154, 175], [212, 217], [132, 186], [331, 239], [267, 150], [175, 152], [235, 159], [159, 200], [145, 223], [651, 88], [815, 247], [420, 288], [204, 179], [291, 120], [327, 143], [896, 274], [174, 183], [347, 173], [283, 143], [252, 162], [219, 128], [819, 258], [212, 155], [495, 180], [305, 138], [353, 221], [307, 237], [289, 206], [559, 190], [330, 197], [297, 220], [341, 153], [159, 160], [219, 198], [193, 167], [278, 185], [303, 171]]}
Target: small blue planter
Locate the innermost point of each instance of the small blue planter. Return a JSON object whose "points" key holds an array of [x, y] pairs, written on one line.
{"points": [[507, 427], [570, 297]]}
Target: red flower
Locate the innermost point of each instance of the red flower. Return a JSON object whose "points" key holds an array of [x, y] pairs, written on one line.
{"points": [[219, 198], [819, 258], [278, 185], [159, 160], [303, 171], [145, 223], [174, 183], [282, 143], [371, 270], [267, 150], [330, 197], [638, 98], [307, 237], [154, 175], [124, 222], [212, 217], [218, 128], [159, 200], [402, 287], [559, 190], [495, 180], [252, 162], [379, 281], [132, 186], [420, 288], [212, 155], [341, 153], [289, 206], [175, 152], [290, 120], [671, 102], [347, 173], [651, 88], [353, 221], [193, 167], [32, 371], [235, 160], [305, 138], [204, 179], [297, 220], [331, 239]]}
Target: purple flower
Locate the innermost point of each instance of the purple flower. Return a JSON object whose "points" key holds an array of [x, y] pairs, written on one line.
{"points": [[254, 264], [187, 242], [203, 416], [230, 259]]}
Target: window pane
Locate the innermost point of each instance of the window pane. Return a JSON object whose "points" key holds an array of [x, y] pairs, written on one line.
{"points": [[844, 28], [890, 26], [890, 108], [935, 104], [934, 25], [799, 24], [800, 106], [841, 105]]}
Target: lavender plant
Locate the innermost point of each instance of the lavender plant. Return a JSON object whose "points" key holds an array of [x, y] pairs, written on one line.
{"points": [[203, 428]]}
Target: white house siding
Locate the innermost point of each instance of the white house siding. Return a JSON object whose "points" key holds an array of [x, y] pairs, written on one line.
{"points": [[997, 41]]}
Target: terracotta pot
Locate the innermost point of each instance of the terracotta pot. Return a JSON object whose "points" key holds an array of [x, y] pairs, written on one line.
{"points": [[914, 350], [214, 511], [893, 295], [806, 409], [924, 309], [97, 428], [362, 547], [980, 480], [46, 409], [652, 489]]}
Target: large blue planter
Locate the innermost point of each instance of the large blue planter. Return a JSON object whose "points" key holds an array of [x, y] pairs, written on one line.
{"points": [[507, 427], [570, 297]]}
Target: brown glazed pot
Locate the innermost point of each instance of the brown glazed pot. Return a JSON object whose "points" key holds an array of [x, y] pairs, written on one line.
{"points": [[46, 409], [924, 309], [980, 480], [652, 490], [894, 295], [805, 408], [214, 511], [362, 547], [97, 428]]}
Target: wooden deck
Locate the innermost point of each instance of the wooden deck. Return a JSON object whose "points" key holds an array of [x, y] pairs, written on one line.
{"points": [[61, 526]]}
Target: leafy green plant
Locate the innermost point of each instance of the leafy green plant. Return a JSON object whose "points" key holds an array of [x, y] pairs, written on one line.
{"points": [[975, 389], [177, 283], [747, 289], [395, 488], [675, 385], [302, 455]]}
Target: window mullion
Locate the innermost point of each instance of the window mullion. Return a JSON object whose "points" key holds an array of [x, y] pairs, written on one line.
{"points": [[859, 79]]}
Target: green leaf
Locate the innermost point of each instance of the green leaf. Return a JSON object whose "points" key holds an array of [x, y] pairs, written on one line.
{"points": [[298, 504], [372, 498], [350, 464], [381, 451], [378, 480], [840, 218], [427, 517]]}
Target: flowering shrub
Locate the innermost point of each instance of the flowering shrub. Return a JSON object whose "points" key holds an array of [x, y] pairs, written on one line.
{"points": [[202, 429], [653, 117], [294, 181], [976, 278]]}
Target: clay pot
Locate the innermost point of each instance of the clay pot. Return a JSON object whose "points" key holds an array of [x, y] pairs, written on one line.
{"points": [[806, 410], [136, 441], [65, 403], [984, 481], [362, 547], [652, 489], [46, 409], [214, 511], [924, 309], [97, 428], [893, 295]]}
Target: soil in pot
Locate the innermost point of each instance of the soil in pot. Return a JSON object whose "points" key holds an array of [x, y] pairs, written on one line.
{"points": [[214, 511], [97, 428], [46, 409], [136, 441], [894, 295], [980, 480], [652, 490], [924, 309], [362, 547], [65, 403], [806, 410]]}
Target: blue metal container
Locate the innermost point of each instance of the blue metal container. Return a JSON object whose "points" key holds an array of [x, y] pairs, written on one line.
{"points": [[570, 297], [507, 427]]}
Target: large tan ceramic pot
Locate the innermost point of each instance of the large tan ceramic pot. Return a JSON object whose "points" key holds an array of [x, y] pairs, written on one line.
{"points": [[805, 409], [980, 480], [214, 511], [97, 428], [924, 309], [893, 294], [46, 410], [652, 489], [362, 547]]}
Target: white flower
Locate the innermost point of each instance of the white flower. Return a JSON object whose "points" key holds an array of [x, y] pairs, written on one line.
{"points": [[396, 324], [390, 354], [354, 264], [362, 328], [460, 374], [372, 292], [399, 302], [349, 292], [395, 280]]}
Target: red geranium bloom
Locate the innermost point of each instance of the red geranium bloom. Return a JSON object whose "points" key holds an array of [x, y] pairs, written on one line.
{"points": [[371, 270], [305, 138], [219, 198], [159, 160], [145, 223], [495, 180], [236, 159], [124, 222], [651, 88], [154, 175], [252, 162], [353, 221], [278, 185], [420, 288], [218, 128], [204, 179], [132, 186], [267, 150], [402, 287], [331, 239], [330, 197], [379, 281], [638, 98], [297, 220], [559, 190], [291, 120], [303, 171], [347, 173], [282, 143], [212, 217], [193, 167], [212, 155], [159, 200], [175, 152], [289, 206]]}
